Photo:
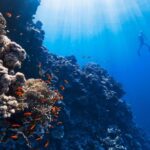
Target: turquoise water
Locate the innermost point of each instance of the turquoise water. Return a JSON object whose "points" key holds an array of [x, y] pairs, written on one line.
{"points": [[105, 32]]}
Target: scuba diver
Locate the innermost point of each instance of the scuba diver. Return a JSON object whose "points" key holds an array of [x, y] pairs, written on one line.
{"points": [[142, 43]]}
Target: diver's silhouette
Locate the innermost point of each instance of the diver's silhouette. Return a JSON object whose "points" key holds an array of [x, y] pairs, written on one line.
{"points": [[142, 43]]}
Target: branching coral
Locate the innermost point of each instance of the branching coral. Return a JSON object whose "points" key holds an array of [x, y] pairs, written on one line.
{"points": [[26, 106], [40, 98]]}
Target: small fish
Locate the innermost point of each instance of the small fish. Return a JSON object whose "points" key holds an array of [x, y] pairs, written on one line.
{"points": [[39, 138], [27, 114], [46, 144], [19, 88], [32, 127], [8, 14], [55, 99], [20, 94], [59, 123], [14, 137], [37, 119], [62, 87], [55, 109], [66, 81], [15, 125]]}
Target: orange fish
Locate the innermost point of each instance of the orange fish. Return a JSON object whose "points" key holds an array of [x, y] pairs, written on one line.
{"points": [[27, 114], [15, 125], [8, 14], [55, 99], [39, 138], [32, 127], [19, 88], [14, 137], [46, 144], [62, 87], [55, 109], [20, 94]]}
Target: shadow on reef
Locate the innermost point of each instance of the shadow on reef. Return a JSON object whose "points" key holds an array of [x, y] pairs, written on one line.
{"points": [[94, 115]]}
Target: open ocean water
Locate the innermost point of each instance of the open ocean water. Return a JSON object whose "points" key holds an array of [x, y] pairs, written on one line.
{"points": [[105, 32]]}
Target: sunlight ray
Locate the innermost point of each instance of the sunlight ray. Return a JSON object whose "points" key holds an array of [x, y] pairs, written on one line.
{"points": [[86, 18]]}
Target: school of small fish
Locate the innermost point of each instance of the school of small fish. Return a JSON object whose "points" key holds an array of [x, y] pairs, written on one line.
{"points": [[27, 122]]}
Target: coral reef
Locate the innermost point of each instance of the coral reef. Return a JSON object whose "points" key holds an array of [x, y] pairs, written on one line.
{"points": [[40, 98], [93, 116], [27, 107], [11, 56]]}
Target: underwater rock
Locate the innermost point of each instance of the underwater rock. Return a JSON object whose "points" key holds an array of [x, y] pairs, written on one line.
{"points": [[94, 115]]}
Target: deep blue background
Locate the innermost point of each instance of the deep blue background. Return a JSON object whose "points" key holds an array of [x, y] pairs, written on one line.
{"points": [[114, 48]]}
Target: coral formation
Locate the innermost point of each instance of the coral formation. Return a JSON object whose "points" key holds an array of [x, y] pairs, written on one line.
{"points": [[40, 98], [2, 24], [11, 56], [93, 113], [27, 107]]}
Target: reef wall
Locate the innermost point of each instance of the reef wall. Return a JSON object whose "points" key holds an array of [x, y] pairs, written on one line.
{"points": [[93, 113], [27, 107]]}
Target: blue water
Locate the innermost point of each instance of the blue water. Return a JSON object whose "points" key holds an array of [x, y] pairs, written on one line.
{"points": [[105, 32]]}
